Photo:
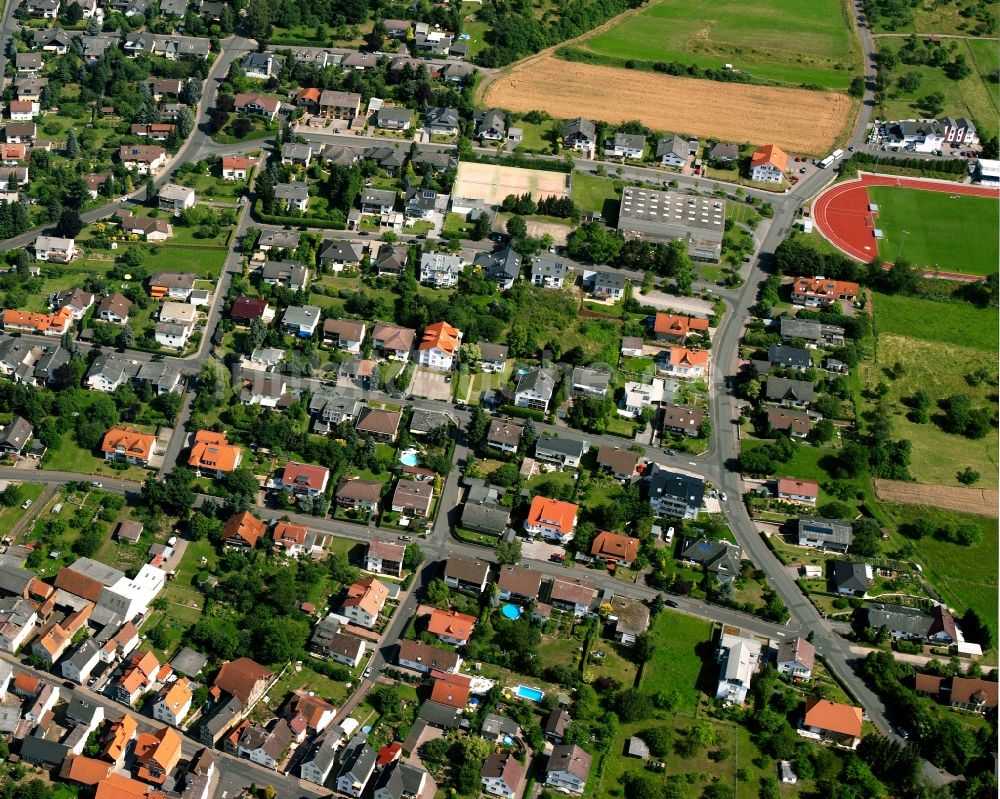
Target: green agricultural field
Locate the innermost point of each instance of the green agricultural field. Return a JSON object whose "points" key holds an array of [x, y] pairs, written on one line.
{"points": [[936, 455], [926, 226], [942, 322], [778, 40], [972, 96], [965, 576]]}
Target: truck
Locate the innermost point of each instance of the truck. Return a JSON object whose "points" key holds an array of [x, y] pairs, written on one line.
{"points": [[837, 154], [828, 161]]}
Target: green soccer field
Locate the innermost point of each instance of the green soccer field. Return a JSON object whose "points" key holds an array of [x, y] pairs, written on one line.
{"points": [[937, 230], [780, 40]]}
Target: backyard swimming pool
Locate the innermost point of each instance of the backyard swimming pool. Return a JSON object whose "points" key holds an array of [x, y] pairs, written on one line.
{"points": [[409, 457], [531, 694], [511, 611]]}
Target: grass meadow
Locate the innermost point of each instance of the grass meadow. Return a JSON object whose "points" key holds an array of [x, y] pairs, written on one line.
{"points": [[939, 322], [927, 225], [778, 40]]}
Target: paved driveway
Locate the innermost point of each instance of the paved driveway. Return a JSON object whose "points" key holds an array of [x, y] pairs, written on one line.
{"points": [[430, 385]]}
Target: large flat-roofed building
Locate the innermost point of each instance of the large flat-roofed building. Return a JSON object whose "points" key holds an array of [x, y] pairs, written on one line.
{"points": [[663, 216]]}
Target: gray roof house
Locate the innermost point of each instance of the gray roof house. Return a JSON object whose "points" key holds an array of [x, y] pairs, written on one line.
{"points": [[535, 389], [564, 451], [789, 357], [15, 435], [672, 151], [719, 557], [833, 535], [853, 578], [725, 153], [548, 273], [440, 121], [491, 125], [357, 766], [785, 391], [579, 134], [504, 266], [389, 118], [590, 382], [400, 780]]}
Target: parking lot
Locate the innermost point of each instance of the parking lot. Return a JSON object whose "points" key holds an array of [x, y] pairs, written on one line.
{"points": [[430, 385]]}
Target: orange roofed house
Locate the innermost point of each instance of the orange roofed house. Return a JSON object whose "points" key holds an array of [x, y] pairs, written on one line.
{"points": [[117, 786], [439, 346], [451, 626], [676, 328], [552, 519], [815, 292], [831, 721], [139, 675], [768, 164], [243, 531], [615, 549], [236, 167], [365, 600], [213, 454], [157, 754], [120, 733], [684, 363], [124, 445], [40, 324]]}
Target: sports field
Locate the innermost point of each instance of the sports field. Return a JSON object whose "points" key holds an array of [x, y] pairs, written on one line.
{"points": [[936, 230], [781, 40], [492, 183]]}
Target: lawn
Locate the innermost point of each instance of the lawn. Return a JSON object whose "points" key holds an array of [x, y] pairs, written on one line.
{"points": [[778, 40], [683, 646], [972, 96], [924, 227], [534, 136], [71, 458], [936, 455], [594, 193], [955, 323], [807, 463], [965, 576], [10, 516]]}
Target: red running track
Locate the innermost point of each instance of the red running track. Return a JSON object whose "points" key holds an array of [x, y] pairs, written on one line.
{"points": [[842, 216]]}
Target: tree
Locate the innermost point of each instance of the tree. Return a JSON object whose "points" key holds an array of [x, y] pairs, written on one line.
{"points": [[69, 224], [184, 121], [632, 705], [127, 337], [857, 86], [968, 476], [517, 227], [72, 141], [822, 431], [508, 552], [413, 556], [173, 494], [639, 785], [866, 533]]}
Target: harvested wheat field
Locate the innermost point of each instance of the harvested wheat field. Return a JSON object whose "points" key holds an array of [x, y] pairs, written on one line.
{"points": [[978, 501], [797, 120], [492, 182]]}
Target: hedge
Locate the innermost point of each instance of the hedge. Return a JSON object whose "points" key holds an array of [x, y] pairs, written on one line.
{"points": [[297, 221], [523, 413]]}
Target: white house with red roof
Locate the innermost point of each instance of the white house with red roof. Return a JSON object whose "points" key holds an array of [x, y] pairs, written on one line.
{"points": [[439, 346], [303, 478], [552, 519]]}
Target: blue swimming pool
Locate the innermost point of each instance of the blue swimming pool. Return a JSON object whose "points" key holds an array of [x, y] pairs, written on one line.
{"points": [[511, 611], [508, 741], [531, 694], [409, 457]]}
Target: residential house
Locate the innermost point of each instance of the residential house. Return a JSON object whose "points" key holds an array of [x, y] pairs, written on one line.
{"points": [[338, 254], [796, 658], [23, 110], [629, 618], [724, 154], [293, 153], [175, 198], [425, 658], [144, 159], [567, 452], [171, 285], [329, 411], [556, 724], [301, 320], [290, 274], [339, 647], [400, 780], [717, 557], [76, 300], [572, 596], [817, 292], [236, 167], [357, 764], [810, 331], [615, 549], [936, 627], [379, 424], [619, 462], [53, 248], [246, 309], [391, 260], [482, 511], [450, 626], [676, 328], [492, 357], [789, 357], [139, 674], [243, 531], [491, 125], [637, 397], [108, 371], [501, 775], [385, 557], [363, 495], [82, 662], [393, 342], [794, 423], [683, 420], [391, 118], [174, 702], [145, 227], [17, 623], [504, 434], [674, 493], [626, 145], [293, 196], [768, 164], [339, 105], [294, 539], [738, 659], [568, 769], [672, 151], [466, 574], [535, 389], [440, 270], [590, 382], [852, 578], [441, 121], [212, 453], [261, 66], [412, 498], [503, 267], [787, 392], [609, 285], [439, 346], [831, 535], [318, 763], [253, 103], [684, 363], [552, 519], [579, 134], [836, 723], [157, 754], [805, 492], [15, 435], [125, 445], [55, 324], [548, 273], [518, 584]]}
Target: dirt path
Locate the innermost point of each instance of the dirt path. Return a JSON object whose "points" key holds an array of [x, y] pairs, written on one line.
{"points": [[978, 501]]}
